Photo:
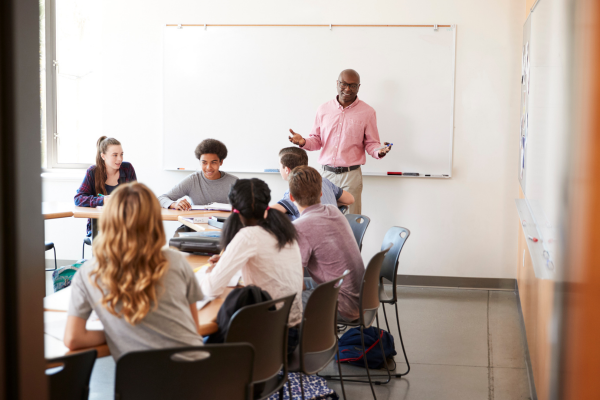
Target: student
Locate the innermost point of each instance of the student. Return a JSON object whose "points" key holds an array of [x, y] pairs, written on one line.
{"points": [[101, 179], [205, 187], [326, 241], [144, 294], [290, 158], [262, 243]]}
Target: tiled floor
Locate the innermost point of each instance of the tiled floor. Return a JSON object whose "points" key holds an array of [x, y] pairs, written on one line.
{"points": [[461, 344]]}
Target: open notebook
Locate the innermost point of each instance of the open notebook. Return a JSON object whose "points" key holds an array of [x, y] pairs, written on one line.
{"points": [[213, 206]]}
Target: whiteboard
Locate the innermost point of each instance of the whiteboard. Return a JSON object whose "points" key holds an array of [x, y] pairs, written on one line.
{"points": [[548, 134], [247, 86]]}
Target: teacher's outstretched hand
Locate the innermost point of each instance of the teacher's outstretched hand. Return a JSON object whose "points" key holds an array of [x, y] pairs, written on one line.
{"points": [[296, 138]]}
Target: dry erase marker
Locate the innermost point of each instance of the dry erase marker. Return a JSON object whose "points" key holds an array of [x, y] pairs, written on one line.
{"points": [[387, 145], [394, 173], [410, 173], [532, 238], [180, 169]]}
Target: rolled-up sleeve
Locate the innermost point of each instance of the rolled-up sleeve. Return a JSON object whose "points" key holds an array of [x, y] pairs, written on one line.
{"points": [[371, 140], [313, 141], [79, 306], [238, 252]]}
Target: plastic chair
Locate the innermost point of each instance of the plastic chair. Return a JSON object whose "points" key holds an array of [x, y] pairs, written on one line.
{"points": [[265, 327], [389, 272], [318, 338], [208, 372], [72, 382], [359, 224], [50, 246], [343, 209], [368, 305]]}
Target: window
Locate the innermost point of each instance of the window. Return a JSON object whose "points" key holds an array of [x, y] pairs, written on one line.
{"points": [[73, 82]]}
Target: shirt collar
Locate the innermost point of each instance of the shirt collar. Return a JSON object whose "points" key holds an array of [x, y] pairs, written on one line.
{"points": [[354, 103]]}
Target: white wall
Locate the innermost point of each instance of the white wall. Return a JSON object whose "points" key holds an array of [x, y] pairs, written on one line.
{"points": [[465, 226]]}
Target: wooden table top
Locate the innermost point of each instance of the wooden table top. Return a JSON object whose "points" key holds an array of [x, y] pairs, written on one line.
{"points": [[167, 215], [54, 209], [56, 305]]}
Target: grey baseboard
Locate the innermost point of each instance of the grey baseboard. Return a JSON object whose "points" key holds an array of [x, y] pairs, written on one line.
{"points": [[532, 390], [457, 282]]}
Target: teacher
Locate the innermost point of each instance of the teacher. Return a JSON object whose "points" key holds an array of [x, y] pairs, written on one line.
{"points": [[344, 128]]}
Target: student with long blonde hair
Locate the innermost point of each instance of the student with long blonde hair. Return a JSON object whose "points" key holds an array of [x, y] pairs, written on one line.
{"points": [[144, 294]]}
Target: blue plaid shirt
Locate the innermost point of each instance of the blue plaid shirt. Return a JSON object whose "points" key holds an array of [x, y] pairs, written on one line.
{"points": [[86, 194]]}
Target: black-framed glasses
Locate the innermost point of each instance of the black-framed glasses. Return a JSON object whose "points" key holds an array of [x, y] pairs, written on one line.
{"points": [[345, 85]]}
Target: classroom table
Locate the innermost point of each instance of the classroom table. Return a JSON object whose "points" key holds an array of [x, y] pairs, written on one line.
{"points": [[56, 305], [55, 209], [167, 215]]}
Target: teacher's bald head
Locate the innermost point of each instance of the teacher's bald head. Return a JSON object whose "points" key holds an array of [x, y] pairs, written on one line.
{"points": [[348, 84]]}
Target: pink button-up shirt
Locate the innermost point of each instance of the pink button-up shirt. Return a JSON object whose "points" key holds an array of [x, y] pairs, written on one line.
{"points": [[344, 134]]}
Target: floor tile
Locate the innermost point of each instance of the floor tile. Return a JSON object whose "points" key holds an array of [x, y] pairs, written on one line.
{"points": [[510, 384], [506, 343], [441, 326]]}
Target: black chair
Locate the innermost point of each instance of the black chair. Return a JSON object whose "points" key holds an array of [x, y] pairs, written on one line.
{"points": [[72, 382], [389, 273], [359, 225], [318, 337], [215, 371], [343, 209], [50, 246], [86, 240], [265, 327], [368, 303]]}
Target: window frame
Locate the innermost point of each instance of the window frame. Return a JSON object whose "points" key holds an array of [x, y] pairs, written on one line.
{"points": [[51, 112]]}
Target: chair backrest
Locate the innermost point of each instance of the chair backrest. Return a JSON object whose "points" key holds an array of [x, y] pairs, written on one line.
{"points": [[264, 326], [397, 236], [72, 381], [369, 289], [318, 332], [359, 224], [210, 372]]}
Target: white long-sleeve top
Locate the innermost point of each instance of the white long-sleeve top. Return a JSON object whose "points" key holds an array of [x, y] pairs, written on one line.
{"points": [[255, 251]]}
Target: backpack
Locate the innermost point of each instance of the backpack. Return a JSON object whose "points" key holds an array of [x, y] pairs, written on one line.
{"points": [[351, 347], [238, 298], [63, 276]]}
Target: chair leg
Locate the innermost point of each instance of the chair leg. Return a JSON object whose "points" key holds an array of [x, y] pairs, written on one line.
{"points": [[83, 251], [55, 265], [362, 339], [401, 343], [387, 368], [281, 390], [340, 371], [301, 386]]}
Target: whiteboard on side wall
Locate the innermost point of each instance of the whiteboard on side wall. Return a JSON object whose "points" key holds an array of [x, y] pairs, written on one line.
{"points": [[247, 86]]}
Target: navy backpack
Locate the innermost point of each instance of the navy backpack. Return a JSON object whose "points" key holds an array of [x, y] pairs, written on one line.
{"points": [[351, 347]]}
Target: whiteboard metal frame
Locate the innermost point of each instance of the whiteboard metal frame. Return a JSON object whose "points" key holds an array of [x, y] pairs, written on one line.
{"points": [[330, 26]]}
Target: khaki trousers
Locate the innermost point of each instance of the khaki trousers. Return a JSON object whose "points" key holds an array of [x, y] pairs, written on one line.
{"points": [[350, 182]]}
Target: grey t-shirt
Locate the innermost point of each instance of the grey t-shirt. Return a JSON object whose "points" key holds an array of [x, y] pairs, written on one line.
{"points": [[170, 325], [201, 190]]}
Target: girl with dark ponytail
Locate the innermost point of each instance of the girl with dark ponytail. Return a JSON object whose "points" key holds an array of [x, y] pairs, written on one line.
{"points": [[262, 243], [101, 179]]}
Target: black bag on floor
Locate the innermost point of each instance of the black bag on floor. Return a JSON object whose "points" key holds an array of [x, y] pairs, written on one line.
{"points": [[351, 347]]}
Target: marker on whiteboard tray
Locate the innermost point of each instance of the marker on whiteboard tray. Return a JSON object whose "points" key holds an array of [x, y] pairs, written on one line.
{"points": [[394, 173], [271, 170], [410, 173], [180, 169], [532, 238]]}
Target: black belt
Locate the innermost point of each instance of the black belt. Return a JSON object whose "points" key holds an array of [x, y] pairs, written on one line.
{"points": [[340, 170]]}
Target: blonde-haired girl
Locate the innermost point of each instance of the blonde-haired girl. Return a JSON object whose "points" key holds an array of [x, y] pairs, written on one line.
{"points": [[144, 294]]}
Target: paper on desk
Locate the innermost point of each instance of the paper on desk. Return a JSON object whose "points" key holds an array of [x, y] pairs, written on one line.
{"points": [[56, 322], [200, 273], [213, 206]]}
